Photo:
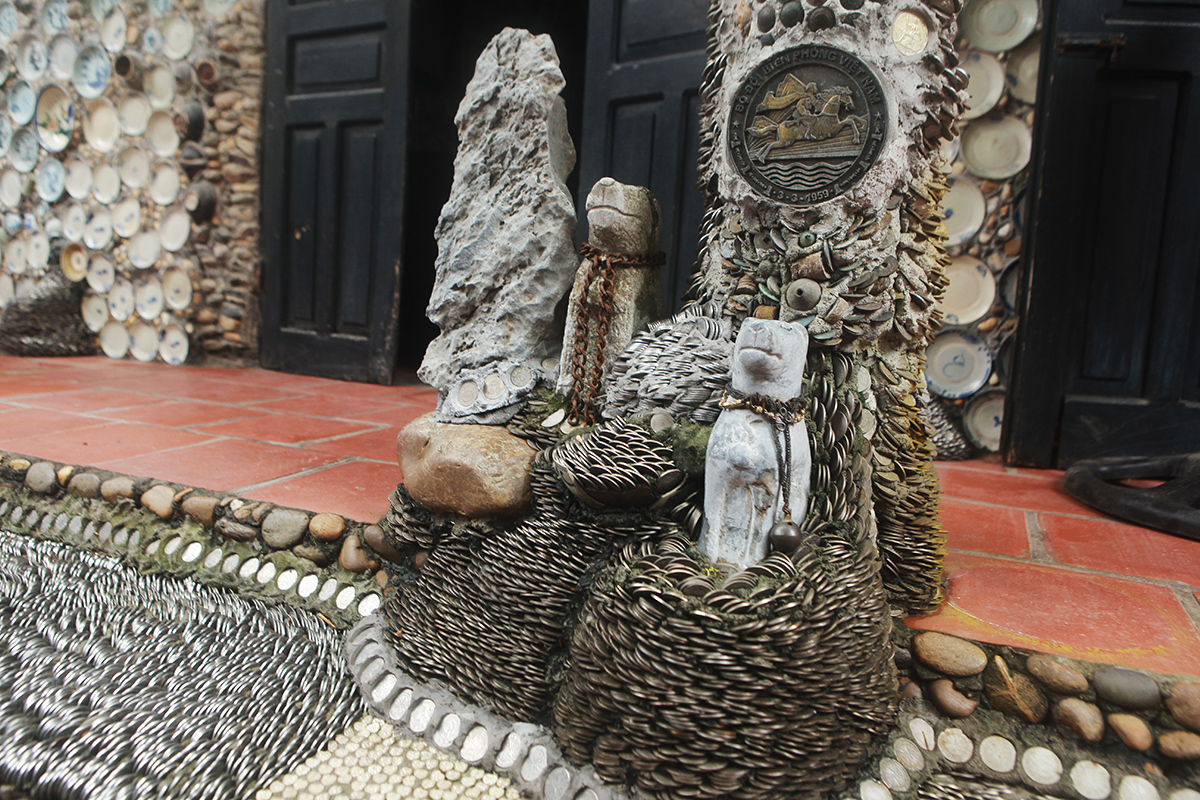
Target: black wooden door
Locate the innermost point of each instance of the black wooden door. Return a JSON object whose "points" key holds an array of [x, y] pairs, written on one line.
{"points": [[641, 117], [336, 94], [1108, 359]]}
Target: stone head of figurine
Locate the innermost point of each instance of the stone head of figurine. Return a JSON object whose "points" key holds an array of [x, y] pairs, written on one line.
{"points": [[623, 219], [769, 358]]}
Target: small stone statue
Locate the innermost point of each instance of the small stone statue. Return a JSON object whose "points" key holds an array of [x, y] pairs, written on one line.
{"points": [[617, 291], [758, 463]]}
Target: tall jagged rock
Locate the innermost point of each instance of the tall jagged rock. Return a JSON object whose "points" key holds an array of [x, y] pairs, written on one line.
{"points": [[506, 254]]}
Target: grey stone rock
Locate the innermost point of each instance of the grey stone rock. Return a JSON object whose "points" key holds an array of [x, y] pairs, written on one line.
{"points": [[284, 527], [742, 486], [41, 477], [235, 530], [506, 253], [117, 488], [1184, 704], [85, 484], [1126, 688]]}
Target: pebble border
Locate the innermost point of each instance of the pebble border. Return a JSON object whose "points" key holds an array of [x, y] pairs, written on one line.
{"points": [[524, 753], [154, 533]]}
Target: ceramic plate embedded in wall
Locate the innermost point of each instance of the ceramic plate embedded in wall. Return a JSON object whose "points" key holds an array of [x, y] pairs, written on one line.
{"points": [[133, 112], [6, 132], [134, 166], [964, 208], [74, 222], [10, 22], [161, 134], [998, 25], [159, 83], [14, 256], [79, 176], [983, 419], [7, 288], [114, 339], [93, 69], [164, 183], [985, 83], [177, 288], [63, 54], [37, 251], [996, 148], [178, 36], [173, 346], [94, 310], [100, 273], [126, 217], [12, 187], [152, 41], [970, 291], [120, 299], [143, 341], [106, 183], [74, 262], [218, 8], [100, 8], [160, 8], [33, 58], [1022, 69], [148, 298], [5, 66], [113, 30], [54, 15], [144, 249], [50, 180], [23, 152], [55, 117], [99, 233], [957, 364], [174, 229], [1008, 283], [22, 102], [101, 126]]}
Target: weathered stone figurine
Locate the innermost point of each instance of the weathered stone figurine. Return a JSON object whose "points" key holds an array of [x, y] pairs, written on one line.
{"points": [[757, 467]]}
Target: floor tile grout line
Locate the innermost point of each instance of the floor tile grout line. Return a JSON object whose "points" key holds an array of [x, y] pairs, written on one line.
{"points": [[1191, 605], [1104, 518], [293, 475], [1165, 583], [1036, 539]]}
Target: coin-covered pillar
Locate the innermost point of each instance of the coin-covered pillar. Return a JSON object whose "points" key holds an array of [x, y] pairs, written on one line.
{"points": [[821, 125]]}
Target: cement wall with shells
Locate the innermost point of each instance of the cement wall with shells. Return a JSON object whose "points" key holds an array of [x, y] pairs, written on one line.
{"points": [[986, 239], [979, 720], [148, 189], [322, 563]]}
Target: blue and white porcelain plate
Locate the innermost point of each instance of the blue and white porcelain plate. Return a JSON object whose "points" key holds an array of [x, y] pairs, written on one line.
{"points": [[23, 154], [63, 53], [160, 8], [6, 133], [33, 58], [10, 23], [51, 180], [55, 118], [100, 8], [22, 102], [93, 69], [983, 419], [54, 15], [152, 40], [957, 364]]}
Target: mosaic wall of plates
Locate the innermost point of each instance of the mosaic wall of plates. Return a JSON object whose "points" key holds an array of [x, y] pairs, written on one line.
{"points": [[970, 361], [97, 99]]}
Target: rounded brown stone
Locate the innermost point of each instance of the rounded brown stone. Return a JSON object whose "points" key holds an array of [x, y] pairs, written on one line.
{"points": [[114, 489], [1014, 692], [1082, 717], [1184, 704], [420, 558], [1133, 731], [354, 558], [1056, 676], [381, 579], [313, 553], [376, 539], [1180, 745], [200, 508], [159, 500], [949, 655], [239, 531], [910, 689], [327, 527], [85, 484], [949, 700]]}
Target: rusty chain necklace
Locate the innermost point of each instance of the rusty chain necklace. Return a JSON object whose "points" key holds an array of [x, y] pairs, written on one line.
{"points": [[603, 265]]}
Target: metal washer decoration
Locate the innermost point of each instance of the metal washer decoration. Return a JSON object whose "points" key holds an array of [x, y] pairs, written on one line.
{"points": [[807, 124]]}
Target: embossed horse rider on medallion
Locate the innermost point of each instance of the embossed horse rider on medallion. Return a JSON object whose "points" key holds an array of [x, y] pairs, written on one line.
{"points": [[815, 116]]}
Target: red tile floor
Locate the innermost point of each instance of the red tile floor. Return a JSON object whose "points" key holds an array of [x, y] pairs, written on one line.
{"points": [[1028, 566]]}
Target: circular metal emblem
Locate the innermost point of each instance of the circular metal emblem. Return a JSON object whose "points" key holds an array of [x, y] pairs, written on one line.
{"points": [[807, 124]]}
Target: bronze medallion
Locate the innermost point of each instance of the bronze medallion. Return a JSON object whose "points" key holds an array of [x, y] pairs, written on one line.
{"points": [[807, 124]]}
